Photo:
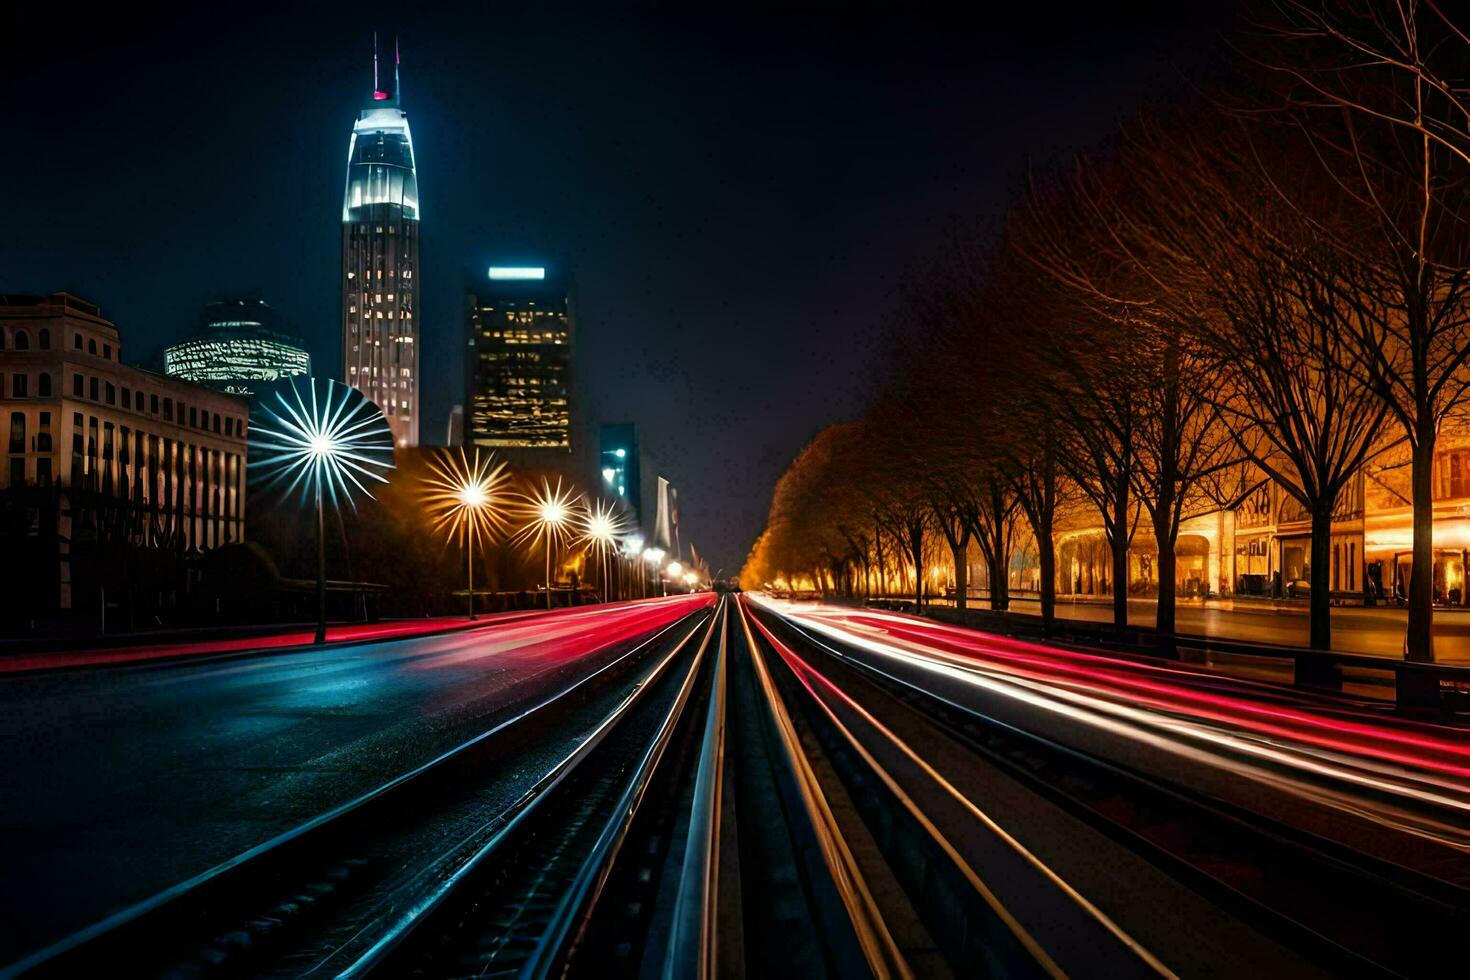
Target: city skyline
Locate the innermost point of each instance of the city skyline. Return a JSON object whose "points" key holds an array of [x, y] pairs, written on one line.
{"points": [[909, 491], [680, 250]]}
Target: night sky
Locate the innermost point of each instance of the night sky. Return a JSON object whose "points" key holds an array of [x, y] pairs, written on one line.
{"points": [[737, 195]]}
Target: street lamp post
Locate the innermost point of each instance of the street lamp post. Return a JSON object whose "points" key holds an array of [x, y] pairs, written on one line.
{"points": [[601, 525], [465, 494], [469, 561], [654, 556], [547, 513], [321, 569], [325, 444]]}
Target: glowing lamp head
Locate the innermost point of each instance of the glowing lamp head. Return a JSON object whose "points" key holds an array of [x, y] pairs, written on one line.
{"points": [[674, 569], [472, 495], [600, 528], [609, 474], [551, 512], [690, 578], [321, 445]]}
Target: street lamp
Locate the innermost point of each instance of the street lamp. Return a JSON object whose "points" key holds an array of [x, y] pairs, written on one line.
{"points": [[466, 498], [547, 512], [653, 556], [601, 524], [326, 444], [633, 552]]}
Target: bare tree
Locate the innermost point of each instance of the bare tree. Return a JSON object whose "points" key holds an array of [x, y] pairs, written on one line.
{"points": [[1286, 306], [1376, 90], [1098, 244]]}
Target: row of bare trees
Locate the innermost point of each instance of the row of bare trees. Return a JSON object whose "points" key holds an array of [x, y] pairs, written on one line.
{"points": [[1265, 281]]}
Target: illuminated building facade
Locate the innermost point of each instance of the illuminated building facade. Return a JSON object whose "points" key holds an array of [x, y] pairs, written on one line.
{"points": [[1261, 545], [113, 476], [380, 258], [619, 466], [518, 363], [240, 345]]}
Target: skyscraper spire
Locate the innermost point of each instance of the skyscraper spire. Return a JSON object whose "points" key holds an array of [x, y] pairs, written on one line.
{"points": [[380, 255], [381, 93]]}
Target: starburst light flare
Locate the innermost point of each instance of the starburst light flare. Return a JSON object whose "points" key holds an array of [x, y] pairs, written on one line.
{"points": [[600, 525], [466, 494], [326, 443], [328, 439], [546, 514]]}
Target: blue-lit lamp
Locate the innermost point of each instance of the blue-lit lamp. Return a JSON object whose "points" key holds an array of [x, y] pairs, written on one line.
{"points": [[327, 441]]}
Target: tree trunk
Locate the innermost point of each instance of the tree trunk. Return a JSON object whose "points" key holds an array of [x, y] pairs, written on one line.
{"points": [[1165, 536], [1047, 557], [882, 560], [1419, 639], [961, 574], [995, 563], [1118, 544], [1320, 601], [916, 548]]}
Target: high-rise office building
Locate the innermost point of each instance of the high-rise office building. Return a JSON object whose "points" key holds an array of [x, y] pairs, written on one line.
{"points": [[454, 434], [518, 365], [241, 344], [620, 469], [380, 258]]}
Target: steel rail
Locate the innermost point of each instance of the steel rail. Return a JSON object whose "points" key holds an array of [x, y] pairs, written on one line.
{"points": [[380, 954], [568, 922], [1324, 854], [691, 951], [123, 930], [1100, 919], [874, 938]]}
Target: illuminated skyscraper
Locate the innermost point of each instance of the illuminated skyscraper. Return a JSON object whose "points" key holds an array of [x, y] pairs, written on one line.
{"points": [[519, 360], [380, 258], [619, 466]]}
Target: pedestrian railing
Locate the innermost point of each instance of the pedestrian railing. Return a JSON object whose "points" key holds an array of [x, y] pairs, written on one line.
{"points": [[1416, 686]]}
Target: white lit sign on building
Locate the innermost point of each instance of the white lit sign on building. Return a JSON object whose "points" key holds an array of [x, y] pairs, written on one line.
{"points": [[516, 272]]}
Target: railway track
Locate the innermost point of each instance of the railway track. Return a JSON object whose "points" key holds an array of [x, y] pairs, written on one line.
{"points": [[343, 887], [735, 795], [1348, 912]]}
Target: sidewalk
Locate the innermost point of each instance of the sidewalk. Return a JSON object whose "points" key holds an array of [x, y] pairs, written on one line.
{"points": [[1373, 631]]}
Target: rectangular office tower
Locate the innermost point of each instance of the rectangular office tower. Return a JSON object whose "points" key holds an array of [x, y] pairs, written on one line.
{"points": [[620, 472], [518, 365], [380, 258]]}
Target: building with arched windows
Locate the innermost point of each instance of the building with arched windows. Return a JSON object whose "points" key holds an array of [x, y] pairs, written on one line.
{"points": [[112, 475]]}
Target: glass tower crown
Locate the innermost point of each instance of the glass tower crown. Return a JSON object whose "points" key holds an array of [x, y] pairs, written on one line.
{"points": [[380, 164]]}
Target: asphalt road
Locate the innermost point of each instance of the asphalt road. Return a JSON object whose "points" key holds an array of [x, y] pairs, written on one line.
{"points": [[120, 782]]}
